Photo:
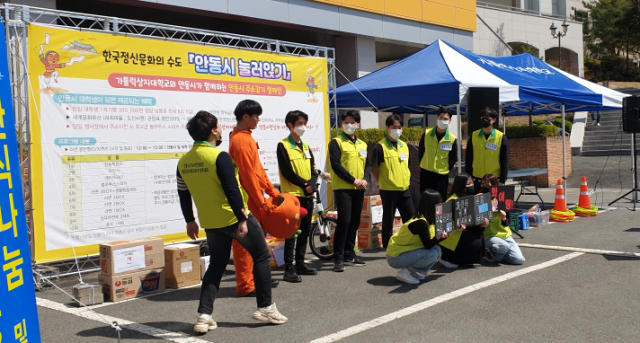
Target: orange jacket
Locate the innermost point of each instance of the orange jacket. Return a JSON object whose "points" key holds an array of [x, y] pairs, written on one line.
{"points": [[244, 151]]}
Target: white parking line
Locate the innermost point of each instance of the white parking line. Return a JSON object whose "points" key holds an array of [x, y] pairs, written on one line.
{"points": [[586, 251], [440, 299], [82, 312]]}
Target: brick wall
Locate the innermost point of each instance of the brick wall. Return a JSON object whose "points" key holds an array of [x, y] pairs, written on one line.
{"points": [[540, 152]]}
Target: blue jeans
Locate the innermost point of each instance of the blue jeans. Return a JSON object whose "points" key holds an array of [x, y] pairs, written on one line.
{"points": [[594, 115], [419, 260], [505, 250]]}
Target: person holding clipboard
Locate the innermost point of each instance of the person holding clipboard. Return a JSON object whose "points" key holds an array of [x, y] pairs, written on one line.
{"points": [[488, 152]]}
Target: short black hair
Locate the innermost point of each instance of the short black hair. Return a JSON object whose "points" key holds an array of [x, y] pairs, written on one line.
{"points": [[354, 114], [293, 116], [459, 186], [249, 107], [427, 208], [201, 124], [392, 119], [488, 111], [444, 110]]}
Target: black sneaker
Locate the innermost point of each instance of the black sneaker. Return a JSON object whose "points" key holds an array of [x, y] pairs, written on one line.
{"points": [[338, 266], [304, 269], [355, 261], [290, 275], [274, 283]]}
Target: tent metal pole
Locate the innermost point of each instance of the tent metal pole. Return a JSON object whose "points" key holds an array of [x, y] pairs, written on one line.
{"points": [[564, 153], [459, 139]]}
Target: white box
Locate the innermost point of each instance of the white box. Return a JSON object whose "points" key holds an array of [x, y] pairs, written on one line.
{"points": [[204, 265]]}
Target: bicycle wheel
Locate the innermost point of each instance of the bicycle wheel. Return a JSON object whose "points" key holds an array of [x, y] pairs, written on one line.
{"points": [[322, 245]]}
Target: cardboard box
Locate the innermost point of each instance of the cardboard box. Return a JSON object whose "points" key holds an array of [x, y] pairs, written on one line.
{"points": [[204, 265], [123, 257], [121, 287], [276, 248], [369, 240], [182, 265], [88, 294], [397, 224], [367, 224], [369, 201]]}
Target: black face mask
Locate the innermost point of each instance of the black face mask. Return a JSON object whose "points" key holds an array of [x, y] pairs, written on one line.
{"points": [[486, 122], [471, 190]]}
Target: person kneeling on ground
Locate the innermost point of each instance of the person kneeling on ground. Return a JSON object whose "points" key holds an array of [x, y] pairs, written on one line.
{"points": [[211, 177], [414, 248], [465, 246], [501, 247]]}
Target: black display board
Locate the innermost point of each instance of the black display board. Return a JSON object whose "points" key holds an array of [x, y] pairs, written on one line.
{"points": [[502, 198], [444, 218]]}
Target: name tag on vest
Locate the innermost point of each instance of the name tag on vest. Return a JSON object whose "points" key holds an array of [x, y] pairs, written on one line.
{"points": [[491, 146], [446, 147], [307, 154], [363, 153], [403, 157]]}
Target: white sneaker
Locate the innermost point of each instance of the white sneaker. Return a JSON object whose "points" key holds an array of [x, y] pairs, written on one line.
{"points": [[405, 276], [416, 274], [269, 315], [205, 324], [598, 124], [448, 264]]}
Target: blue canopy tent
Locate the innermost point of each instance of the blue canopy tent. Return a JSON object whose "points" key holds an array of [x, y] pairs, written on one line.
{"points": [[440, 75]]}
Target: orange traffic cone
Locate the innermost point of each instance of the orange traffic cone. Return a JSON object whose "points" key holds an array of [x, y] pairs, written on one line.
{"points": [[560, 212], [584, 207]]}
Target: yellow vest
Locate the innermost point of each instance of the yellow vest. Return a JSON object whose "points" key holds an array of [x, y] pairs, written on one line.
{"points": [[495, 228], [405, 241], [486, 160], [300, 163], [198, 170], [394, 173], [451, 242], [436, 154], [353, 158]]}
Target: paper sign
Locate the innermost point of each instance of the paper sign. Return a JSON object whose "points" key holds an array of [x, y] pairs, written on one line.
{"points": [[128, 259], [376, 214], [186, 267], [463, 212], [444, 218], [278, 254], [502, 197]]}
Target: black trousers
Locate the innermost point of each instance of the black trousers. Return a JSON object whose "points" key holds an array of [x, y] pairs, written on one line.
{"points": [[219, 241], [470, 249], [391, 200], [300, 243], [435, 181], [349, 206]]}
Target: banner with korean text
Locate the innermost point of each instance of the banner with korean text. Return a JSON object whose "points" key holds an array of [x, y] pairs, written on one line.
{"points": [[108, 117], [18, 312]]}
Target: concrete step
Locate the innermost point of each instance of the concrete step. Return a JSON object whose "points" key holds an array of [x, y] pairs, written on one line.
{"points": [[607, 137], [605, 152]]}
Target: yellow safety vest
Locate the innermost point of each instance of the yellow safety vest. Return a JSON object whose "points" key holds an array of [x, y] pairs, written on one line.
{"points": [[301, 164], [486, 153], [198, 170], [394, 173], [451, 242], [353, 158], [496, 229], [405, 241], [436, 154]]}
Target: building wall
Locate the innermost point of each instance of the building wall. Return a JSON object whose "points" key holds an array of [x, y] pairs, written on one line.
{"points": [[525, 28]]}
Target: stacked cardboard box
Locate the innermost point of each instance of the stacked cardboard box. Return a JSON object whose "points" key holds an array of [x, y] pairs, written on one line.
{"points": [[276, 248], [131, 268], [182, 265], [370, 221]]}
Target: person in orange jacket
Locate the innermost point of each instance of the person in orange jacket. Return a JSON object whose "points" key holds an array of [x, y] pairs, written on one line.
{"points": [[244, 151]]}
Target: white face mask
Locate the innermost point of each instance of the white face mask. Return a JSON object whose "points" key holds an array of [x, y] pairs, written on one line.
{"points": [[395, 133], [299, 130], [349, 129], [443, 124]]}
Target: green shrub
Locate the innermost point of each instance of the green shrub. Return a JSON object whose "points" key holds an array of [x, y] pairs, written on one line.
{"points": [[517, 131], [567, 124], [409, 134], [538, 122]]}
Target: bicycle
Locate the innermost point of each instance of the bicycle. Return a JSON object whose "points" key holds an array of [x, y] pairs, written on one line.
{"points": [[323, 228]]}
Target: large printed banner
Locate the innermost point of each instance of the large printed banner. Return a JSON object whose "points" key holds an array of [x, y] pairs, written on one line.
{"points": [[108, 119], [18, 312]]}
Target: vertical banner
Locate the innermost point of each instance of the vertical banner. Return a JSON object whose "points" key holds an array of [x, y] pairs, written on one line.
{"points": [[18, 312], [108, 116]]}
